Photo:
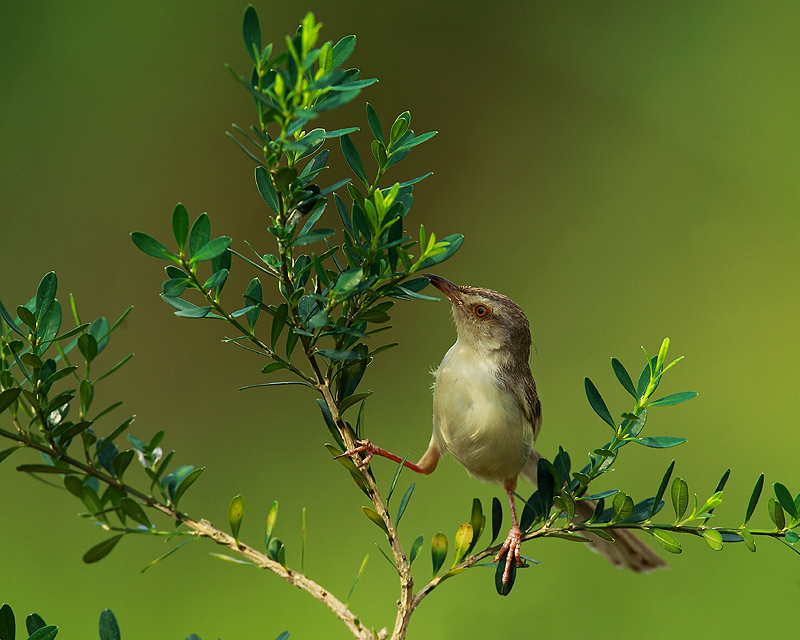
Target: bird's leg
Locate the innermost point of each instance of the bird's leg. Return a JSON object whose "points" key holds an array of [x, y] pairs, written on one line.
{"points": [[425, 466], [511, 547]]}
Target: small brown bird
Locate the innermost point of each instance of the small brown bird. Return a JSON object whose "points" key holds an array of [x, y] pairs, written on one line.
{"points": [[486, 412]]}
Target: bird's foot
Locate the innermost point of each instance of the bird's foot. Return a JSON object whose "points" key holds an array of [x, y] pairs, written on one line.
{"points": [[511, 550], [362, 446]]}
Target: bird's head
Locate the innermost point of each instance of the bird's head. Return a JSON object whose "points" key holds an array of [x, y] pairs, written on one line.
{"points": [[487, 320]]}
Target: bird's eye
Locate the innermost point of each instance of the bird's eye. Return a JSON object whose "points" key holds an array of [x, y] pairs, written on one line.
{"points": [[481, 310]]}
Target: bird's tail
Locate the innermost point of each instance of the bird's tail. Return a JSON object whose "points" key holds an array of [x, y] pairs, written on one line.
{"points": [[628, 551]]}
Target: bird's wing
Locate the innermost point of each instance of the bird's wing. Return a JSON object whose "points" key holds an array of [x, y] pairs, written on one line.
{"points": [[532, 405], [526, 396]]}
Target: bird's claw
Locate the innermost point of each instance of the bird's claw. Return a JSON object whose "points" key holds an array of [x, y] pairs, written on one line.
{"points": [[511, 550], [362, 446]]}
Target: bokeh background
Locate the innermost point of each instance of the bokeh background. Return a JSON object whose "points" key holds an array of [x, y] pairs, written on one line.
{"points": [[625, 171]]}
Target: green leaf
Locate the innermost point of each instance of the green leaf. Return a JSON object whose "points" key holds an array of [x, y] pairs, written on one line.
{"points": [[349, 401], [211, 249], [497, 518], [352, 373], [680, 497], [358, 577], [662, 488], [272, 367], [602, 494], [713, 538], [255, 293], [659, 442], [8, 626], [216, 279], [272, 518], [597, 403], [375, 124], [267, 189], [180, 225], [168, 553], [278, 550], [792, 537], [101, 550], [453, 241], [10, 321], [348, 280], [252, 33], [26, 315], [334, 354], [478, 522], [115, 433], [45, 294], [415, 141], [749, 542], [373, 515], [623, 507], [87, 345], [353, 159], [109, 629], [34, 622], [666, 540], [644, 377], [605, 535], [438, 551], [623, 376], [462, 542], [45, 468], [45, 633], [200, 233], [235, 515], [504, 588], [415, 548], [326, 414], [675, 398], [776, 514], [404, 503], [152, 247], [399, 128], [7, 452], [8, 397], [121, 463], [184, 485], [754, 496], [174, 287], [785, 499], [186, 309], [342, 51], [312, 236]]}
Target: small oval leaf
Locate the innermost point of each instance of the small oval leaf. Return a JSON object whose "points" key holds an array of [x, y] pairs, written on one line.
{"points": [[102, 549], [438, 551], [236, 515], [597, 403], [109, 628], [152, 247], [713, 538], [373, 515], [666, 540]]}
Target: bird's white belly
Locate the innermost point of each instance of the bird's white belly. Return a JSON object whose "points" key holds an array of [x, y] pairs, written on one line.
{"points": [[477, 420]]}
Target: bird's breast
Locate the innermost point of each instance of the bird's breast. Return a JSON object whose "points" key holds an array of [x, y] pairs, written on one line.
{"points": [[478, 420]]}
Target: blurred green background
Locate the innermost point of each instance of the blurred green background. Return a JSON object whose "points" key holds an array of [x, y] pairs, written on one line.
{"points": [[625, 171]]}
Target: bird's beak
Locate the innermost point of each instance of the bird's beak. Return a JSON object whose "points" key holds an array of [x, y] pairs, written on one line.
{"points": [[446, 287]]}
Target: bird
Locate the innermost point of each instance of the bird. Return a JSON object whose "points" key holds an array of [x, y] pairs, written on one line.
{"points": [[487, 415]]}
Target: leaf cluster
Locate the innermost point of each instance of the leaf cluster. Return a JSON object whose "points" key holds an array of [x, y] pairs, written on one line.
{"points": [[48, 381], [37, 629], [333, 300], [550, 510]]}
